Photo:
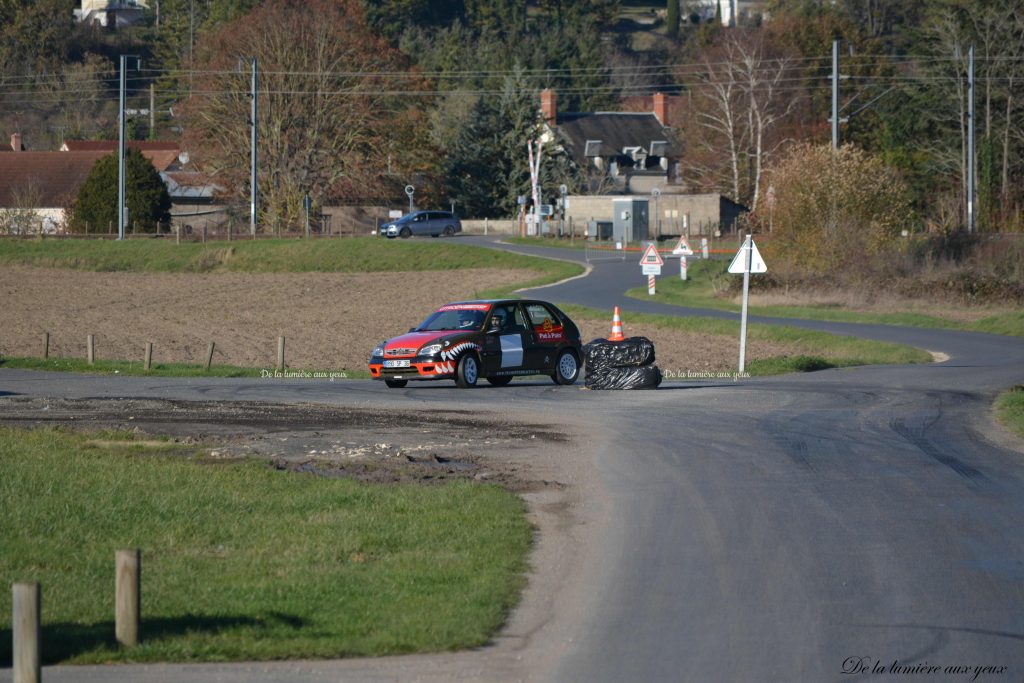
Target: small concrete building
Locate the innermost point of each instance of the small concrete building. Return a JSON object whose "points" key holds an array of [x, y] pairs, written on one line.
{"points": [[669, 214]]}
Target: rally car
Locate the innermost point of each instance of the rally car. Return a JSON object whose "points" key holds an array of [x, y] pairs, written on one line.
{"points": [[493, 340]]}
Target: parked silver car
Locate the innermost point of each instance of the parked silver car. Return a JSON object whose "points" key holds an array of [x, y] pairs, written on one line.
{"points": [[433, 223]]}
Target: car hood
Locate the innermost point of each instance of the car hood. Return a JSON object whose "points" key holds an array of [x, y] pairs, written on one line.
{"points": [[412, 341]]}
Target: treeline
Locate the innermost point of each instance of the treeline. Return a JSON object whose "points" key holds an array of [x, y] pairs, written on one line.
{"points": [[361, 97]]}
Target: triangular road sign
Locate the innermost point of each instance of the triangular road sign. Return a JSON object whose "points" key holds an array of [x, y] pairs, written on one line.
{"points": [[744, 257], [682, 248], [651, 257]]}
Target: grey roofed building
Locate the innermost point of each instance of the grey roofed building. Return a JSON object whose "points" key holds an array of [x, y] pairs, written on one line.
{"points": [[618, 152]]}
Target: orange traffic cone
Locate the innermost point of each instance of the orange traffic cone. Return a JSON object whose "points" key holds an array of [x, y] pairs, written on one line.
{"points": [[616, 327]]}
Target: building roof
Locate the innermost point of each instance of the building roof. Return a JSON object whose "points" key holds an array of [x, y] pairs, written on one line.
{"points": [[182, 185], [111, 145], [161, 153], [608, 133], [46, 179]]}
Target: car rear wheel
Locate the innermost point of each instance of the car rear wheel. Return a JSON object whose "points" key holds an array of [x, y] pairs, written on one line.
{"points": [[500, 381], [567, 368], [405, 232], [468, 372], [395, 383], [449, 231]]}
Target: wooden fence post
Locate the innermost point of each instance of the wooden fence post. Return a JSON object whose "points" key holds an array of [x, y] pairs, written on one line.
{"points": [[209, 355], [90, 343], [46, 345], [25, 626], [149, 355], [127, 604], [280, 353]]}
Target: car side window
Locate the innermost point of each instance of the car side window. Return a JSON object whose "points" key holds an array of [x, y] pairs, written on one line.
{"points": [[539, 314]]}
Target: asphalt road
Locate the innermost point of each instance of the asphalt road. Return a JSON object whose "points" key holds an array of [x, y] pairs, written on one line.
{"points": [[782, 529]]}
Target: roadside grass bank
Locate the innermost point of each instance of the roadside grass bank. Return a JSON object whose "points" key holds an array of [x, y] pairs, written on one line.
{"points": [[1010, 409], [244, 562], [130, 368], [349, 255], [706, 278], [809, 349]]}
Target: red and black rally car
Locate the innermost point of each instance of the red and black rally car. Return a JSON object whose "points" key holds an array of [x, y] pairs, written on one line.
{"points": [[494, 340]]}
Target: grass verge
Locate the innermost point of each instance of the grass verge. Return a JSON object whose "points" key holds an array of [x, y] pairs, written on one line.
{"points": [[349, 255], [241, 561], [812, 350], [1010, 409], [137, 369], [704, 278]]}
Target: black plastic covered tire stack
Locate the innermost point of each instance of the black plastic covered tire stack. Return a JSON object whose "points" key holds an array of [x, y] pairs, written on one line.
{"points": [[628, 364]]}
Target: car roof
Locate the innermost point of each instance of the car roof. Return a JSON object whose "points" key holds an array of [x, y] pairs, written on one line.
{"points": [[496, 301]]}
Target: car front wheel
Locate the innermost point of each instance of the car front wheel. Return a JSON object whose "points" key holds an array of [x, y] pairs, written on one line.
{"points": [[468, 372], [449, 231], [406, 232], [567, 368]]}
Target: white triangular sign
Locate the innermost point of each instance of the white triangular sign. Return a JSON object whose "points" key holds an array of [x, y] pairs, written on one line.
{"points": [[651, 257], [741, 259], [682, 248]]}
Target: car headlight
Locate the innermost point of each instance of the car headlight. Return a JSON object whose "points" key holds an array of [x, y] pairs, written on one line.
{"points": [[378, 351], [431, 350]]}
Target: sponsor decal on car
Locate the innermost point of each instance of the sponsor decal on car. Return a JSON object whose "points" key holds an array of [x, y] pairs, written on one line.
{"points": [[548, 332], [465, 307]]}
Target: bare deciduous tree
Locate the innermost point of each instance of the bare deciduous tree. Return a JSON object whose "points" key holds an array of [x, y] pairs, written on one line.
{"points": [[743, 95], [328, 114]]}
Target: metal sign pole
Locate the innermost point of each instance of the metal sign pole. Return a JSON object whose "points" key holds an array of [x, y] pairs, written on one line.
{"points": [[747, 257]]}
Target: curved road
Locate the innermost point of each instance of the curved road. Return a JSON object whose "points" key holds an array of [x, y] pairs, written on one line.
{"points": [[798, 528]]}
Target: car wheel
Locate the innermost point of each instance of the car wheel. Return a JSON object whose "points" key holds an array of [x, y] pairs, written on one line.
{"points": [[567, 368], [468, 372], [449, 231], [500, 381], [395, 383], [406, 232]]}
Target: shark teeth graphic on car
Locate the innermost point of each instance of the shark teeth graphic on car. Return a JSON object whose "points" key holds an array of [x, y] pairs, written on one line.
{"points": [[453, 352]]}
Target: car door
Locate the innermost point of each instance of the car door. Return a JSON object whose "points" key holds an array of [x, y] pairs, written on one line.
{"points": [[420, 224], [505, 347], [546, 335]]}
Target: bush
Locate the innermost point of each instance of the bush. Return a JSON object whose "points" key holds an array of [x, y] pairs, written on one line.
{"points": [[832, 207], [146, 196]]}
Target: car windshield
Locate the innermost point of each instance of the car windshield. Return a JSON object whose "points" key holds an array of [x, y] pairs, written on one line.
{"points": [[454, 318]]}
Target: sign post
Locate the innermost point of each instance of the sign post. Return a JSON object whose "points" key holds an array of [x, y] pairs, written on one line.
{"points": [[747, 260], [651, 263], [682, 250]]}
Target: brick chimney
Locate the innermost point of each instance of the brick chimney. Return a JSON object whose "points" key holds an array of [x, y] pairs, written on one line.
{"points": [[661, 107], [549, 106], [16, 142]]}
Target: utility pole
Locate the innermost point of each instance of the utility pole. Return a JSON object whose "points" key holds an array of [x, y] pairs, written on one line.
{"points": [[120, 153], [971, 194], [835, 94], [252, 155]]}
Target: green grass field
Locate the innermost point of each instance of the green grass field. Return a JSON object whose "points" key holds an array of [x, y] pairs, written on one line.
{"points": [[241, 561], [704, 277], [1010, 409], [349, 255]]}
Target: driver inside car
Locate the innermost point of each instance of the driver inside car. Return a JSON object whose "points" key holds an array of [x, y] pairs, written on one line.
{"points": [[498, 321]]}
